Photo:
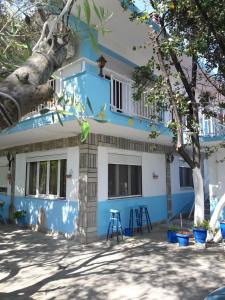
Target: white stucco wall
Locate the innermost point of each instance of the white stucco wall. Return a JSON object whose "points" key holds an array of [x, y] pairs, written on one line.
{"points": [[72, 156], [151, 163], [216, 174]]}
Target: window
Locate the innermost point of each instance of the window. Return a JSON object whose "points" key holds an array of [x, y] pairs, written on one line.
{"points": [[117, 95], [3, 179], [124, 180], [186, 179], [47, 177]]}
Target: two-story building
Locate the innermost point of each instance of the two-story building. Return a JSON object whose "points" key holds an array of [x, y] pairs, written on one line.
{"points": [[76, 184]]}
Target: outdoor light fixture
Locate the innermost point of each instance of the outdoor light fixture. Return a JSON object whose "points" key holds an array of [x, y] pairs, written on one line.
{"points": [[101, 64], [170, 158]]}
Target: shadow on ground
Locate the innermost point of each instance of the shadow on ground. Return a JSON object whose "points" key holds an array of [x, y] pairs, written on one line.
{"points": [[38, 266]]}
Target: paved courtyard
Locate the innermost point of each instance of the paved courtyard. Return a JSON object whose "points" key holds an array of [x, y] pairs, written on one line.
{"points": [[38, 266]]}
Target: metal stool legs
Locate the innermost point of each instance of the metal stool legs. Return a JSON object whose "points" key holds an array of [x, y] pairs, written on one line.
{"points": [[144, 213], [114, 225]]}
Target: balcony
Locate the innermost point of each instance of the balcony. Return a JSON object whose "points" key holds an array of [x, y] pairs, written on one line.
{"points": [[212, 128], [113, 91]]}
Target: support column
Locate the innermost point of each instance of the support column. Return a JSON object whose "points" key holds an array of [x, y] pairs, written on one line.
{"points": [[168, 189], [88, 180]]}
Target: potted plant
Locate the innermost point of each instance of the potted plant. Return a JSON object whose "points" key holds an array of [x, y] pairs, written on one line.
{"points": [[183, 237], [222, 228], [172, 234], [200, 231], [20, 217]]}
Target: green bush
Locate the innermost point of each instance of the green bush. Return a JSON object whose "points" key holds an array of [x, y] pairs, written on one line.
{"points": [[19, 214], [204, 224], [173, 228]]}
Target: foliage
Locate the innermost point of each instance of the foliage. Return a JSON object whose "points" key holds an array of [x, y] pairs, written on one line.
{"points": [[69, 105], [188, 55], [19, 29], [203, 224], [173, 228], [19, 214]]}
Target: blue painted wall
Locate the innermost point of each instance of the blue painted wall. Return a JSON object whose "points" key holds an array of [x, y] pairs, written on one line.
{"points": [[157, 208], [60, 214], [182, 202], [213, 203]]}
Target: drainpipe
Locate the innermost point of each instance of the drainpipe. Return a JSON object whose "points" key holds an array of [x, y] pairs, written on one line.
{"points": [[12, 192]]}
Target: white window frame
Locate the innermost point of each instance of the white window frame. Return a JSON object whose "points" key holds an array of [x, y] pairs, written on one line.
{"points": [[38, 159]]}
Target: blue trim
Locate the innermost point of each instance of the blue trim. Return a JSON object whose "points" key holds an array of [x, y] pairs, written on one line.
{"points": [[117, 56], [215, 138]]}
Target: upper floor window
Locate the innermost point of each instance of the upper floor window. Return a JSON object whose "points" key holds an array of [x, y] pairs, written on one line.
{"points": [[46, 178], [124, 180], [186, 179]]}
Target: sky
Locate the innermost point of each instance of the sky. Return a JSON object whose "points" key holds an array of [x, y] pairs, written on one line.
{"points": [[143, 4]]}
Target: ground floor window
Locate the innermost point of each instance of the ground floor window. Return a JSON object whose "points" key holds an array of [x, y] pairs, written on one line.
{"points": [[186, 179], [3, 179], [47, 177], [124, 180]]}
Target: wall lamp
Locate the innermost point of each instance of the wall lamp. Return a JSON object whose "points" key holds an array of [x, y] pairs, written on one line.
{"points": [[170, 157], [101, 64]]}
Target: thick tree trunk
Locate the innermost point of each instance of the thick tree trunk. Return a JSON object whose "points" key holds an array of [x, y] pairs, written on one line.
{"points": [[199, 195], [213, 221], [26, 87]]}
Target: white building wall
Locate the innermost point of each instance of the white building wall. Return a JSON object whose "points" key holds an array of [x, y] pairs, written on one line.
{"points": [[216, 174], [72, 156], [151, 164]]}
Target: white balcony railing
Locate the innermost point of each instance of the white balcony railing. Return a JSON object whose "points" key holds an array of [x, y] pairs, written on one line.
{"points": [[212, 127], [121, 100]]}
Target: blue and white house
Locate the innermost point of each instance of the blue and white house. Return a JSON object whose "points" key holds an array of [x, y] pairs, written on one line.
{"points": [[71, 186]]}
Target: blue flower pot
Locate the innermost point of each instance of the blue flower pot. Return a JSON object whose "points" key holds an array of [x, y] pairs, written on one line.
{"points": [[222, 228], [183, 239], [200, 235], [21, 221], [171, 236]]}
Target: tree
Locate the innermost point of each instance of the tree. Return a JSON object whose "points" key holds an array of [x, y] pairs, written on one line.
{"points": [[188, 46], [44, 53]]}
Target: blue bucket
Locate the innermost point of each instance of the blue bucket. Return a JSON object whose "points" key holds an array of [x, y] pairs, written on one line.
{"points": [[171, 236], [21, 222], [200, 235], [222, 228], [127, 232], [183, 239]]}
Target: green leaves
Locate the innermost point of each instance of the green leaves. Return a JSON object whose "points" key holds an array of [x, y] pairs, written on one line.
{"points": [[85, 130], [87, 11]]}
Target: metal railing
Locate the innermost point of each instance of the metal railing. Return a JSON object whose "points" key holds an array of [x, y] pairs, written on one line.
{"points": [[121, 100], [212, 126]]}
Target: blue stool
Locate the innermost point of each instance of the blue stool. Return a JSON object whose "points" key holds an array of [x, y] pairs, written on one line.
{"points": [[144, 218], [134, 210], [115, 224]]}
